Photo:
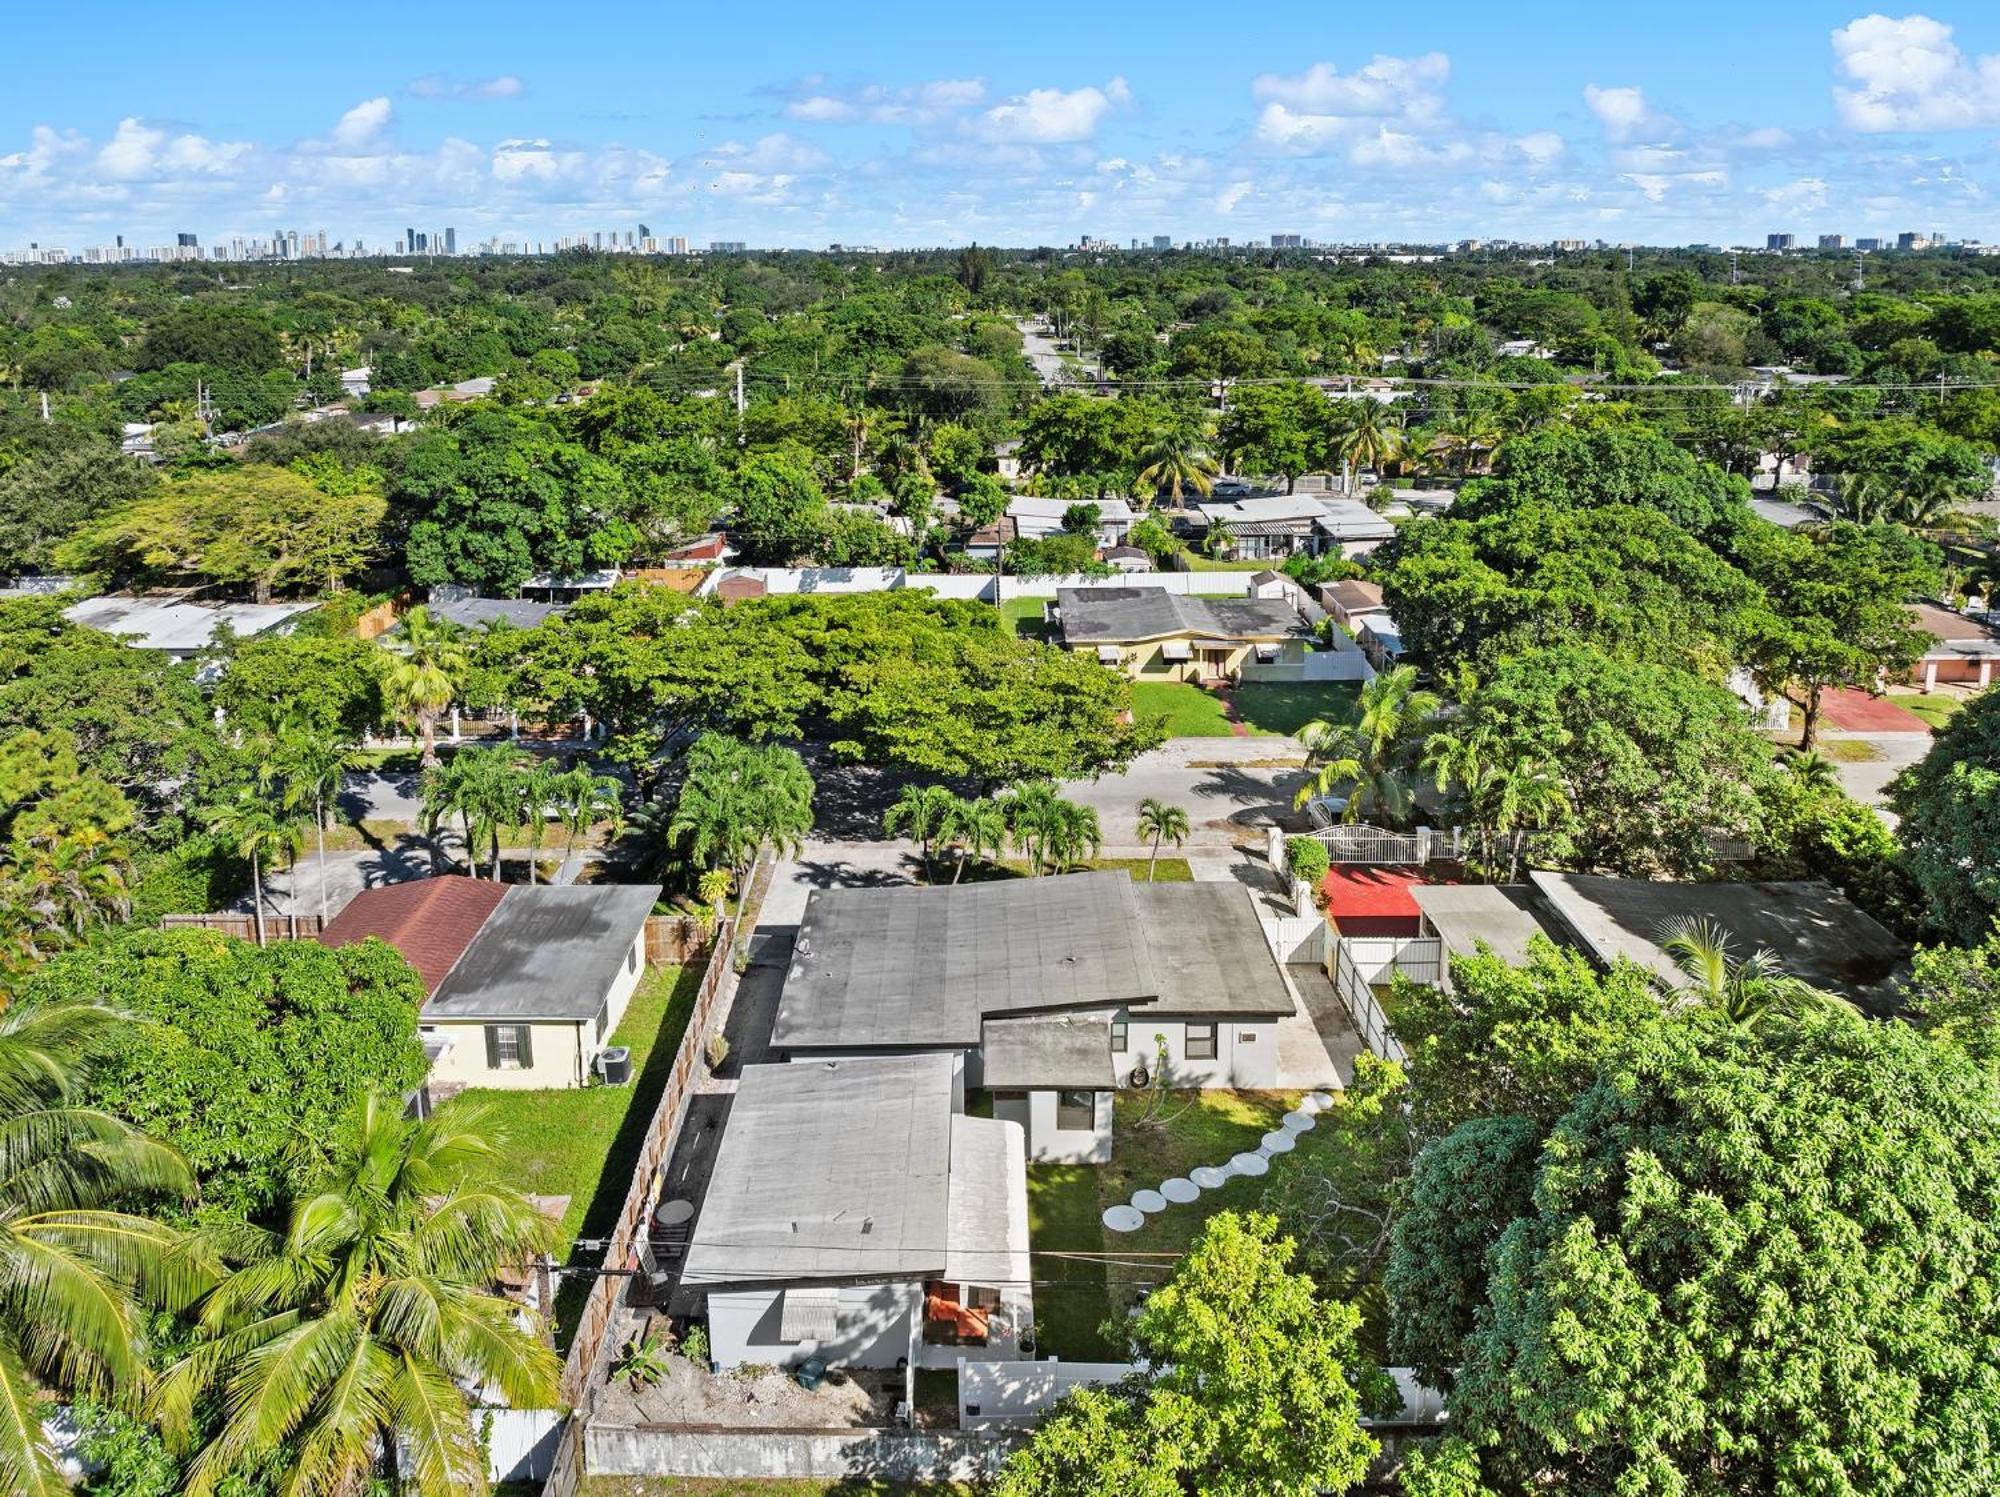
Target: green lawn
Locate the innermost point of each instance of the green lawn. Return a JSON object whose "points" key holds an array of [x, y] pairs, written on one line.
{"points": [[584, 1142], [1851, 751], [1936, 709], [1066, 1203], [1286, 709], [1198, 563], [1190, 711], [1170, 870], [1024, 616]]}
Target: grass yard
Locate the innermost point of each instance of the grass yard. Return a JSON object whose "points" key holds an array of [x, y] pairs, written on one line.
{"points": [[584, 1143], [1023, 616], [1199, 563], [1170, 870], [1286, 709], [1190, 711], [1066, 1202], [1937, 709], [1851, 751]]}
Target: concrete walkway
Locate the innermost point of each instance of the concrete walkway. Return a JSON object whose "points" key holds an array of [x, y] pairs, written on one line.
{"points": [[1868, 780]]}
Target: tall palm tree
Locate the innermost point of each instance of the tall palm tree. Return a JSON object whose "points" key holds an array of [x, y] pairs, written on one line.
{"points": [[60, 887], [482, 788], [537, 781], [736, 799], [1159, 821], [1220, 538], [921, 811], [255, 829], [71, 1268], [1177, 462], [1031, 816], [343, 1342], [1746, 992], [1071, 834], [1363, 435], [1527, 795], [1372, 747], [431, 661], [978, 828], [1813, 770], [581, 798], [312, 765]]}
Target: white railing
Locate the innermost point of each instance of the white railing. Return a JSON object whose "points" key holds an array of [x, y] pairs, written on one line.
{"points": [[1364, 1010], [1351, 842]]}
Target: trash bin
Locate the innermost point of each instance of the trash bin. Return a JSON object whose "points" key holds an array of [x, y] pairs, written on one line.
{"points": [[615, 1061], [811, 1373]]}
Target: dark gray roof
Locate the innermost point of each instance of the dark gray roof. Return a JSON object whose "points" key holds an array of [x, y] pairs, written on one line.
{"points": [[923, 966], [926, 966], [546, 953], [1123, 615], [1048, 1050], [1811, 927], [475, 613], [1502, 916], [830, 1170]]}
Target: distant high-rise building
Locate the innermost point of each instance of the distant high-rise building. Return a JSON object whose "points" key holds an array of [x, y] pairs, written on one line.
{"points": [[677, 244], [726, 246], [1915, 241], [1868, 244], [184, 241], [644, 232], [1163, 241], [1286, 241], [410, 240], [450, 241], [1779, 241], [1832, 241]]}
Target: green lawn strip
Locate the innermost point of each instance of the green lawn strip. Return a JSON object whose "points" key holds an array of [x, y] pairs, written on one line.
{"points": [[1066, 1206], [1190, 711], [1211, 564], [1936, 709], [584, 1142], [1851, 751], [1286, 709], [1170, 870], [1024, 616]]}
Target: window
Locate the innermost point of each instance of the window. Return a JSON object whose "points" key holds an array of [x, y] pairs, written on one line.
{"points": [[603, 1019], [1076, 1109], [1200, 1042], [1117, 1036], [978, 1297], [509, 1047], [1246, 1036], [632, 960], [1000, 1098]]}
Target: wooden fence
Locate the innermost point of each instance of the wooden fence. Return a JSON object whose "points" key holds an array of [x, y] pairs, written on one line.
{"points": [[244, 927], [672, 940], [622, 1252]]}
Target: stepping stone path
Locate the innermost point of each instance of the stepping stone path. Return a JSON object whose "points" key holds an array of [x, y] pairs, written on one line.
{"points": [[1179, 1192]]}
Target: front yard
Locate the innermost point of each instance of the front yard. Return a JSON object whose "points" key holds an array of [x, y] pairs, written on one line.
{"points": [[1264, 710], [1190, 711], [1066, 1202]]}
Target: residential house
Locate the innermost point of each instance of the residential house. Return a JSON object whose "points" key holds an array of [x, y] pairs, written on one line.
{"points": [[523, 984], [1152, 634], [560, 587], [1037, 519], [732, 583], [1351, 600], [177, 626], [1962, 651], [1128, 559], [709, 550], [486, 613], [1280, 525], [354, 382], [1352, 528], [856, 1215], [1381, 640], [1052, 991]]}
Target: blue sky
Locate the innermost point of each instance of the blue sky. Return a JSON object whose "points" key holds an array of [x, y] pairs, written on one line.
{"points": [[801, 124]]}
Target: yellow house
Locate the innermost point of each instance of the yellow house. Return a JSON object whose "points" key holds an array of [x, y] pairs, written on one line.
{"points": [[523, 985], [1153, 635]]}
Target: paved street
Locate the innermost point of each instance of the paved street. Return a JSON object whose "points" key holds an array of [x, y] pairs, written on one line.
{"points": [[1868, 782], [1231, 789], [1042, 353]]}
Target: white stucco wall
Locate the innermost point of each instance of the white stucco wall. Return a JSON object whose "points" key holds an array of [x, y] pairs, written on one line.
{"points": [[1246, 1053], [875, 1327], [1048, 1144]]}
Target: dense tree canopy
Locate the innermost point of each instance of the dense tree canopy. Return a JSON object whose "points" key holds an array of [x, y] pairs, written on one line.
{"points": [[1949, 805]]}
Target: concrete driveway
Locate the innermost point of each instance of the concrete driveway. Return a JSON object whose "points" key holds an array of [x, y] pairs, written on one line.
{"points": [[1868, 781], [1231, 789]]}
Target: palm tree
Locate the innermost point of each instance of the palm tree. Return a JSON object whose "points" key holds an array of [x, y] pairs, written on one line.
{"points": [[1363, 435], [1813, 770], [70, 1268], [60, 887], [431, 662], [921, 811], [1157, 821], [1177, 462], [1071, 834], [255, 829], [737, 798], [1527, 794], [482, 788], [1220, 538], [1372, 747], [538, 794], [712, 888], [1744, 992], [313, 765], [342, 1342], [978, 828], [581, 798], [1031, 815]]}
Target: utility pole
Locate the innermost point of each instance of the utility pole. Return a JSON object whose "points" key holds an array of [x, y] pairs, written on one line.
{"points": [[1734, 274], [1858, 282]]}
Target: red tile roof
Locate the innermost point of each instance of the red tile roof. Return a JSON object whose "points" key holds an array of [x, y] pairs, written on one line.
{"points": [[430, 920]]}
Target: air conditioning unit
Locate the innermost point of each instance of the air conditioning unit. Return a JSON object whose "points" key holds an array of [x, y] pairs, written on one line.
{"points": [[614, 1064]]}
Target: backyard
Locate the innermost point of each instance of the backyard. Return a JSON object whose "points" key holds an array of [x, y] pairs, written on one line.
{"points": [[584, 1142], [1066, 1202], [1261, 710]]}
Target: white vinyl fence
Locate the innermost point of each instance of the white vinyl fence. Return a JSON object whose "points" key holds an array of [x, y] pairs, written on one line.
{"points": [[1364, 1011], [520, 1443], [1380, 959], [1298, 938], [1014, 1395]]}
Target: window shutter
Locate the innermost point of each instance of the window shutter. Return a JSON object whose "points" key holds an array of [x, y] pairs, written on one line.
{"points": [[526, 1032], [492, 1048]]}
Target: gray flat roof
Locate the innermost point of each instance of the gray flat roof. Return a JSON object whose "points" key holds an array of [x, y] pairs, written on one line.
{"points": [[1811, 927], [475, 613], [545, 953], [830, 1170], [1122, 615], [1048, 1050], [986, 1241], [1465, 915], [926, 966], [176, 625]]}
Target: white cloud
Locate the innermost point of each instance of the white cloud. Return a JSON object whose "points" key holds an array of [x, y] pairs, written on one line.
{"points": [[1805, 194], [1230, 196], [822, 109], [1385, 86], [137, 150], [437, 86], [50, 149], [1912, 76], [1050, 116], [770, 153], [1624, 112], [883, 104], [358, 128]]}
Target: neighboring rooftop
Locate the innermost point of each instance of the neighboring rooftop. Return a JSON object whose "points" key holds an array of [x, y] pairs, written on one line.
{"points": [[546, 953], [480, 613], [1048, 1050], [430, 920], [1953, 635], [1126, 615], [174, 624], [927, 965], [831, 1170], [986, 1233], [1353, 595], [1501, 917], [1352, 520], [1815, 931]]}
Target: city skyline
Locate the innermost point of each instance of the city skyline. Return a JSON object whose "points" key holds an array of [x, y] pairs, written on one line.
{"points": [[1450, 124]]}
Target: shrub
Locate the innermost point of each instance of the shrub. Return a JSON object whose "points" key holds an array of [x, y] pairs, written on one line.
{"points": [[1307, 859]]}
